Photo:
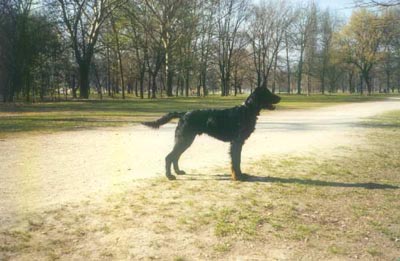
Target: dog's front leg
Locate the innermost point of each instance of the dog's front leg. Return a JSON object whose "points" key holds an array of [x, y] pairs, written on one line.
{"points": [[236, 150]]}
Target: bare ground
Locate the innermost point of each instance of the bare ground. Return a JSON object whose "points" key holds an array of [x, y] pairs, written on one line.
{"points": [[45, 172]]}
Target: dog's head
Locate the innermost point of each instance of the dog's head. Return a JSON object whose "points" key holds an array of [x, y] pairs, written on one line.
{"points": [[263, 98]]}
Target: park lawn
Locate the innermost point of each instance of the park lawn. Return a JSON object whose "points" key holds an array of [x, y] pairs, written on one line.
{"points": [[22, 118], [339, 205]]}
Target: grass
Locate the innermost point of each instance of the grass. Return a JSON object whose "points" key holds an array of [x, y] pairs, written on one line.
{"points": [[64, 116], [387, 120], [312, 207]]}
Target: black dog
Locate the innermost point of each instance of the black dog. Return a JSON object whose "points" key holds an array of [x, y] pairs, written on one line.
{"points": [[234, 125]]}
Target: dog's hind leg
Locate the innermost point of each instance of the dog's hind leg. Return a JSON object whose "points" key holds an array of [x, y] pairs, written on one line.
{"points": [[236, 151], [182, 142], [176, 167]]}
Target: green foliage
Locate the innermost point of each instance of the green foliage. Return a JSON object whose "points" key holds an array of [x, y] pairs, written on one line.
{"points": [[359, 43], [360, 38], [30, 51]]}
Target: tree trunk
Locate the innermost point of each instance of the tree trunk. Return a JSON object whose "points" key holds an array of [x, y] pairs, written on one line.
{"points": [[73, 86], [149, 85], [228, 83], [289, 80], [235, 81], [368, 83], [84, 80], [187, 81], [28, 88], [182, 87], [199, 85], [198, 89], [178, 83], [170, 78], [275, 66], [121, 70], [108, 83], [351, 85], [98, 83], [136, 88], [141, 85], [225, 85], [204, 76], [141, 80], [300, 71], [387, 81], [154, 86]]}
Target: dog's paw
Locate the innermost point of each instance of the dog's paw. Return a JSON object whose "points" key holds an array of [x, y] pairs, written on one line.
{"points": [[171, 177], [180, 172], [244, 177]]}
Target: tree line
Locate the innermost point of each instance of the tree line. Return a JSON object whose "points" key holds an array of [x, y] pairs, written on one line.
{"points": [[55, 49]]}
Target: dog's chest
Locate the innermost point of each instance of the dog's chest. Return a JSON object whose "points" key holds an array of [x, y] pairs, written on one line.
{"points": [[247, 125], [231, 124]]}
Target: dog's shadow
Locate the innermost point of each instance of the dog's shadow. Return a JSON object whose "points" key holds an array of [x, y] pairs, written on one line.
{"points": [[307, 182]]}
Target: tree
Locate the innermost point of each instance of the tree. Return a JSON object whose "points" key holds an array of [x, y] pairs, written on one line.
{"points": [[329, 24], [169, 15], [240, 64], [198, 45], [117, 35], [373, 3], [335, 71], [186, 47], [310, 45], [268, 26], [288, 41], [28, 41], [390, 50], [8, 17], [82, 20], [230, 16], [304, 38], [138, 34], [204, 43], [360, 40]]}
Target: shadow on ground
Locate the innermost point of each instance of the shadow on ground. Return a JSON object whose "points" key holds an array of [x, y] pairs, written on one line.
{"points": [[308, 182]]}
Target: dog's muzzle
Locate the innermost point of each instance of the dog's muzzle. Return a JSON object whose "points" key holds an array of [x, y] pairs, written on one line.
{"points": [[270, 107]]}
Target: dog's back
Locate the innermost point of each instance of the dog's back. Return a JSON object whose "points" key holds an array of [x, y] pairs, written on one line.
{"points": [[225, 124], [233, 125]]}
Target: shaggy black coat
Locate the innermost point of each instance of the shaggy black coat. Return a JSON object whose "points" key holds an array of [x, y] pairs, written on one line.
{"points": [[232, 125]]}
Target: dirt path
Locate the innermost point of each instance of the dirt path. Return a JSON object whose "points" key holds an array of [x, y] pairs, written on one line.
{"points": [[43, 170]]}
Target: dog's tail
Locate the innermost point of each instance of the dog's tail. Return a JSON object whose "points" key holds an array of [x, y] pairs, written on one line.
{"points": [[163, 120]]}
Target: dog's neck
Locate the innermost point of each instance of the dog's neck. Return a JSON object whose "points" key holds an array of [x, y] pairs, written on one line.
{"points": [[252, 105]]}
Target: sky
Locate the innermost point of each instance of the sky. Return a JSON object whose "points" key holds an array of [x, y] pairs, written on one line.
{"points": [[342, 7]]}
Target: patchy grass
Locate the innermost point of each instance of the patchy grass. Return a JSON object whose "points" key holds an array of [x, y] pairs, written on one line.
{"points": [[290, 102], [63, 116], [389, 120], [341, 207]]}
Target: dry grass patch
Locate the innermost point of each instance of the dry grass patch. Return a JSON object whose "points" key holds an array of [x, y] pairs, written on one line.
{"points": [[341, 206]]}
